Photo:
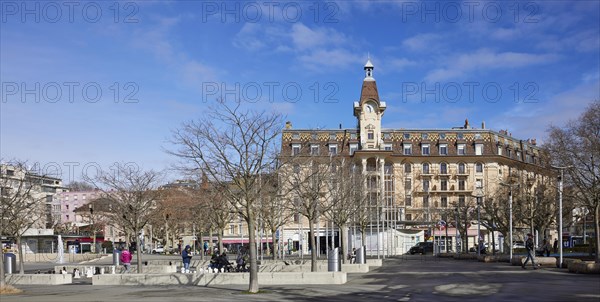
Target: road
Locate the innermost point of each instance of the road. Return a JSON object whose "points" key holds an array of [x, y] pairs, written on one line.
{"points": [[407, 278]]}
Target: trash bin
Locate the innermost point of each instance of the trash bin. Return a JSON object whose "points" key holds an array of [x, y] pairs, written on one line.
{"points": [[10, 263], [333, 261], [116, 257], [360, 255]]}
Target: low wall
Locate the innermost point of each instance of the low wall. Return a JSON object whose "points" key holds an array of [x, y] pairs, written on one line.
{"points": [[53, 257], [38, 279], [583, 267], [321, 267], [147, 269], [285, 278], [494, 258]]}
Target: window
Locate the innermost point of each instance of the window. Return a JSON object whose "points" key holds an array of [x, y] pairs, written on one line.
{"points": [[461, 149], [442, 135], [478, 168], [353, 148], [443, 149], [333, 149], [443, 168], [67, 206], [353, 136], [387, 136], [426, 201], [296, 217], [460, 136], [407, 184], [425, 168], [296, 135], [424, 136], [67, 217], [295, 149], [479, 183], [314, 149], [478, 149], [425, 149], [232, 229], [477, 135], [444, 185], [407, 149], [406, 135], [408, 200], [370, 135], [461, 184], [518, 155], [461, 200], [407, 168], [426, 185], [461, 168], [444, 202], [499, 150], [508, 153], [387, 147], [408, 217], [332, 136], [296, 168]]}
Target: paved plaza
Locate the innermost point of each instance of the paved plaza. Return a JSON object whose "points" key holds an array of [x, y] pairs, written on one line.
{"points": [[407, 278]]}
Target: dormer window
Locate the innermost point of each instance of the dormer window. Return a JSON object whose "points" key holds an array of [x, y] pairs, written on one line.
{"points": [[333, 149], [371, 135]]}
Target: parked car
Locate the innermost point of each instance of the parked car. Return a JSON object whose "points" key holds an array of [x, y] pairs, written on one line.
{"points": [[158, 250], [519, 245], [421, 248]]}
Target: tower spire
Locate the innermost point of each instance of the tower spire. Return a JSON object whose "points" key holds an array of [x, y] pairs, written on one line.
{"points": [[369, 69]]}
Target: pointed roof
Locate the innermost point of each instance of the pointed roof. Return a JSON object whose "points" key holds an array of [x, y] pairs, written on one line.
{"points": [[369, 64]]}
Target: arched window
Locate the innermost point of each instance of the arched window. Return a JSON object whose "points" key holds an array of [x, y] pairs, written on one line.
{"points": [[443, 168], [478, 168], [461, 168], [425, 168], [407, 168]]}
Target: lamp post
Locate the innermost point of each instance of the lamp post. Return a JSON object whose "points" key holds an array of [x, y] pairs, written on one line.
{"points": [[560, 221], [510, 216], [92, 227], [456, 229]]}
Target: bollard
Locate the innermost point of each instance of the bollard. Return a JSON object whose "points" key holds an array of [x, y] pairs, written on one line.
{"points": [[333, 260], [10, 263], [360, 255], [116, 257]]}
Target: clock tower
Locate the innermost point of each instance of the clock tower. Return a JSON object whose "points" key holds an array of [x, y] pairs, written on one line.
{"points": [[369, 110]]}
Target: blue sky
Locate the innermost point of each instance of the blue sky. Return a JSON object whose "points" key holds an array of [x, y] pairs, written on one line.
{"points": [[88, 84]]}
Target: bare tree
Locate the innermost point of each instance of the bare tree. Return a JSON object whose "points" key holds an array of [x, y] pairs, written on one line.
{"points": [[132, 196], [273, 209], [577, 145], [344, 185], [21, 206], [308, 179], [76, 186], [233, 146]]}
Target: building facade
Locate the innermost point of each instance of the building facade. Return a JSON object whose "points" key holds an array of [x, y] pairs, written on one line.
{"points": [[415, 178]]}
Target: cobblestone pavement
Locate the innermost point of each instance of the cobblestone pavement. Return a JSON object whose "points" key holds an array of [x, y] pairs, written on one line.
{"points": [[409, 278]]}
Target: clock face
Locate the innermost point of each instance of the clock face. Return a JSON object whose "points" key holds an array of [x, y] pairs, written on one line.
{"points": [[369, 108]]}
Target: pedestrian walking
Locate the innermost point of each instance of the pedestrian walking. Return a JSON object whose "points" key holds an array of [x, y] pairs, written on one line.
{"points": [[555, 245], [126, 260], [530, 251], [186, 256]]}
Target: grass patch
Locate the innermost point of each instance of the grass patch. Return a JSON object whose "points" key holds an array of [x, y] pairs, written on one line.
{"points": [[9, 290]]}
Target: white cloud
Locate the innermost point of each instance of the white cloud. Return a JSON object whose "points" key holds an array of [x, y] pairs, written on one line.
{"points": [[486, 59], [422, 42]]}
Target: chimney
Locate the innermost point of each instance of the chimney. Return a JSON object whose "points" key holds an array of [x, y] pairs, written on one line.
{"points": [[288, 125], [467, 124], [483, 125]]}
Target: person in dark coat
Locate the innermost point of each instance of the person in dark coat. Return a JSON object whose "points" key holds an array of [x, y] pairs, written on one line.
{"points": [[186, 256]]}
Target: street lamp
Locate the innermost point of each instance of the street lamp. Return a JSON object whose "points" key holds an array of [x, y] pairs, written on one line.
{"points": [[456, 229], [92, 227], [478, 198], [560, 221], [510, 218]]}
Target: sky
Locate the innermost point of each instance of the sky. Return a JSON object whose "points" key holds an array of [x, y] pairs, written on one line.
{"points": [[87, 85]]}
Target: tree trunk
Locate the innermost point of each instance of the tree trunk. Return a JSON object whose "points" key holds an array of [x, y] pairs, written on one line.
{"points": [[313, 255], [253, 282], [597, 230], [275, 244], [220, 238], [2, 276], [21, 259], [344, 247]]}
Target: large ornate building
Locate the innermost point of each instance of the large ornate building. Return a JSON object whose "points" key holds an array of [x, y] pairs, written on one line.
{"points": [[418, 176]]}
